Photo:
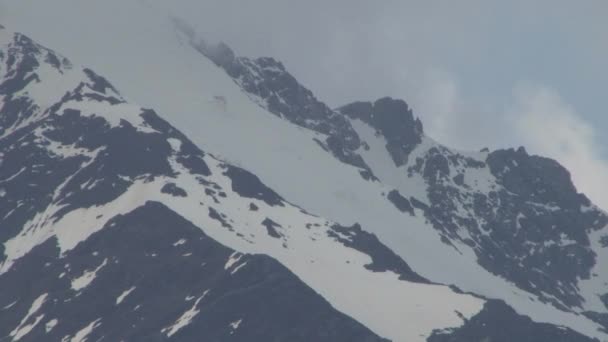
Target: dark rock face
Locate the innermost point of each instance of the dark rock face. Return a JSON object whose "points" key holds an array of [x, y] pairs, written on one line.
{"points": [[122, 157], [58, 156], [400, 202], [497, 322], [27, 185], [531, 218], [271, 228], [286, 97], [383, 259], [173, 189], [249, 185], [221, 218], [535, 178], [557, 221], [149, 268], [101, 86], [17, 64], [280, 92], [394, 120]]}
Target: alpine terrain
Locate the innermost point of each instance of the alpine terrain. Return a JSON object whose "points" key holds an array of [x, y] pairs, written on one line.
{"points": [[155, 186]]}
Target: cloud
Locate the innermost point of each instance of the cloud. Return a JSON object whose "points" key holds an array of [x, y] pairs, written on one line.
{"points": [[535, 116], [454, 118], [439, 99], [549, 126]]}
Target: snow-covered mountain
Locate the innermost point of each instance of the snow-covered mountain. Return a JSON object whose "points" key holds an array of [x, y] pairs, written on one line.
{"points": [[350, 224], [101, 196]]}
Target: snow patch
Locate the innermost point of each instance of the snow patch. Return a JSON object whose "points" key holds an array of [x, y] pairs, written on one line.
{"points": [[179, 242], [87, 277], [81, 335], [185, 318], [235, 325], [123, 295], [232, 259], [23, 329], [50, 325], [238, 267]]}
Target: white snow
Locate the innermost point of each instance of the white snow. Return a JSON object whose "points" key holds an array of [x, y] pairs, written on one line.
{"points": [[42, 227], [185, 318], [87, 277], [50, 325], [232, 259], [480, 179], [81, 335], [175, 144], [179, 242], [23, 329], [235, 325], [10, 305], [238, 267], [124, 295], [383, 166], [335, 271]]}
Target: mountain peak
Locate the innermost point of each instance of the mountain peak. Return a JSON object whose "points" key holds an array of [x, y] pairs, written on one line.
{"points": [[392, 118]]}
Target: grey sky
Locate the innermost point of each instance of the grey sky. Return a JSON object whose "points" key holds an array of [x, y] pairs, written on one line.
{"points": [[478, 73]]}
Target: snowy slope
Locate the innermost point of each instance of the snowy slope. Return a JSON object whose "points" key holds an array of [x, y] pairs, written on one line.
{"points": [[151, 275], [104, 158], [244, 132]]}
